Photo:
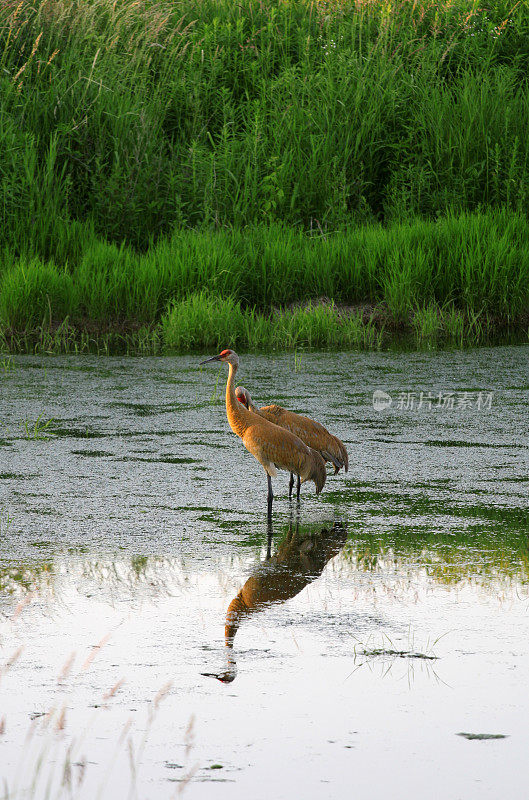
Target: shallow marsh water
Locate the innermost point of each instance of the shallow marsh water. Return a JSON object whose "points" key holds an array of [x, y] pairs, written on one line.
{"points": [[131, 521]]}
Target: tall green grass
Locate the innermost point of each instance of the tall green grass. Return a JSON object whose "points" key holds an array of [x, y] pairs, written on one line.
{"points": [[156, 155], [132, 119], [203, 321], [475, 262], [460, 279]]}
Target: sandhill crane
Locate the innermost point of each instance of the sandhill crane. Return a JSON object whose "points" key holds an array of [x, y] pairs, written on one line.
{"points": [[299, 560], [274, 447], [312, 433]]}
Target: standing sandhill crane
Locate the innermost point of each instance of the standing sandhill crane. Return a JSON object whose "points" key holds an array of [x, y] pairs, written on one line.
{"points": [[300, 559], [312, 433], [274, 447]]}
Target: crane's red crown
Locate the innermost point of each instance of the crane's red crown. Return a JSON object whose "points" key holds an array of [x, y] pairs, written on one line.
{"points": [[226, 356]]}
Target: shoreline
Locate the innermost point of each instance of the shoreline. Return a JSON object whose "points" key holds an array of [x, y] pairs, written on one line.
{"points": [[314, 325]]}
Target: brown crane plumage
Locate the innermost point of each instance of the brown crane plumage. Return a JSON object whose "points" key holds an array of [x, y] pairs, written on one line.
{"points": [[308, 430], [273, 446]]}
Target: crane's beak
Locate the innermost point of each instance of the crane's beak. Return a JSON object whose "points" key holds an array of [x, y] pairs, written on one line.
{"points": [[223, 677], [213, 358]]}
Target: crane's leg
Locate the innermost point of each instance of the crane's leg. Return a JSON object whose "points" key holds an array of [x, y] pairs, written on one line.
{"points": [[269, 541], [270, 496], [290, 485], [298, 489]]}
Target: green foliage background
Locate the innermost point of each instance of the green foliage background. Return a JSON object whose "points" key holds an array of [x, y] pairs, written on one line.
{"points": [[150, 150]]}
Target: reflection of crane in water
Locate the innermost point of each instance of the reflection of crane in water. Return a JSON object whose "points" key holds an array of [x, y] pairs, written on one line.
{"points": [[299, 560], [274, 447], [312, 433]]}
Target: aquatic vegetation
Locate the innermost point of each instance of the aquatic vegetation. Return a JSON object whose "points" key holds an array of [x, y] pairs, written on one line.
{"points": [[501, 532], [40, 429], [7, 364], [74, 433], [382, 653], [91, 453], [386, 648], [482, 736], [6, 520]]}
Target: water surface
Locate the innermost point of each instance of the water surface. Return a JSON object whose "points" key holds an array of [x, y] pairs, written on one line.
{"points": [[391, 618]]}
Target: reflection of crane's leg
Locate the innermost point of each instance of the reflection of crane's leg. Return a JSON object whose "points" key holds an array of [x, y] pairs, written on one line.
{"points": [[270, 496], [298, 487], [290, 485], [296, 526]]}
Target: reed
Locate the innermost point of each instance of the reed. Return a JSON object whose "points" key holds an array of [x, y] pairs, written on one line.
{"points": [[202, 321], [134, 120], [475, 264], [268, 156]]}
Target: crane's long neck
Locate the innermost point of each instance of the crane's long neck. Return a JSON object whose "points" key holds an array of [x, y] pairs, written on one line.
{"points": [[238, 416], [236, 610]]}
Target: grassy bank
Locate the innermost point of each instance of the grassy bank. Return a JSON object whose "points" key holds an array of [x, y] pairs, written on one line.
{"points": [[461, 280], [201, 322], [269, 155]]}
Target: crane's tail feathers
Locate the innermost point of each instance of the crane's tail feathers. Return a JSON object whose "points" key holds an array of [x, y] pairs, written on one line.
{"points": [[318, 473]]}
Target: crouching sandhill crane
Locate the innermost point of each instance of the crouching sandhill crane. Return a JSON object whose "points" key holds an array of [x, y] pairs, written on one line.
{"points": [[274, 447], [312, 433]]}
